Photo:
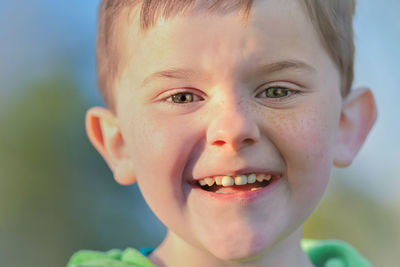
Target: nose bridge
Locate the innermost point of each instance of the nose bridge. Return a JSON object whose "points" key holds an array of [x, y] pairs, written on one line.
{"points": [[232, 124]]}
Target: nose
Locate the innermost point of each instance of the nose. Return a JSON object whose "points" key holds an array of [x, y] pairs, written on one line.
{"points": [[233, 127]]}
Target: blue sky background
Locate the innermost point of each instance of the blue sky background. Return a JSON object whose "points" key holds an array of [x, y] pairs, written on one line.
{"points": [[377, 31], [39, 37]]}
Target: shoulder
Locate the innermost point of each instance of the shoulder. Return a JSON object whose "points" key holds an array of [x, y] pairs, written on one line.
{"points": [[322, 253], [333, 253], [115, 257]]}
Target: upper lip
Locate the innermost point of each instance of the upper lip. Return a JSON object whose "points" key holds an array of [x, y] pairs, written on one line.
{"points": [[247, 170]]}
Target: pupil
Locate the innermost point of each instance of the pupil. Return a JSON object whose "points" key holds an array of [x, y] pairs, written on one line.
{"points": [[277, 92], [181, 98]]}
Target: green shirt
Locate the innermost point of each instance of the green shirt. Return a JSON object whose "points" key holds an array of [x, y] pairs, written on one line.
{"points": [[326, 253]]}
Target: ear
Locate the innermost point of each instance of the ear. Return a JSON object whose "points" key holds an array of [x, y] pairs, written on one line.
{"points": [[357, 118], [104, 133]]}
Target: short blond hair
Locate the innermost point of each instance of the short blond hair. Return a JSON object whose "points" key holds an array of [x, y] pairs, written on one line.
{"points": [[332, 19]]}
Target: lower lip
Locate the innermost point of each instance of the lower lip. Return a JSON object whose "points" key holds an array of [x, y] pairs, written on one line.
{"points": [[245, 196]]}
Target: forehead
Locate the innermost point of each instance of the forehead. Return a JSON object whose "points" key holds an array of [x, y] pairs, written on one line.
{"points": [[275, 30]]}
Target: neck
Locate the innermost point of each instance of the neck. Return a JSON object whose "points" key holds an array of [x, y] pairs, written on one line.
{"points": [[174, 251]]}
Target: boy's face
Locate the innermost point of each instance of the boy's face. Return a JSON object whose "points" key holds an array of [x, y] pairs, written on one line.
{"points": [[229, 123]]}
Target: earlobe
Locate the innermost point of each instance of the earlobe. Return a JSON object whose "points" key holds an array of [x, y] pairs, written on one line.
{"points": [[105, 134], [124, 173], [357, 118]]}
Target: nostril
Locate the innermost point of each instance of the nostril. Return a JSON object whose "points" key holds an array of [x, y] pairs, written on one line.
{"points": [[219, 143]]}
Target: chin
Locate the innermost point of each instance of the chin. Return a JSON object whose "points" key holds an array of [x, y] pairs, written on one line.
{"points": [[242, 248]]}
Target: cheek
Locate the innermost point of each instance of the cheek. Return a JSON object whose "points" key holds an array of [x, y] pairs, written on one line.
{"points": [[305, 138], [159, 149], [155, 145], [307, 132]]}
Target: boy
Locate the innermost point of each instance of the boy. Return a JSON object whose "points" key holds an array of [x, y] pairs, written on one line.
{"points": [[229, 115]]}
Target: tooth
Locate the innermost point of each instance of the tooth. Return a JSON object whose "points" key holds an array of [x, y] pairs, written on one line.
{"points": [[240, 180], [227, 181], [218, 180], [255, 188], [260, 177], [209, 181], [202, 182], [251, 178], [268, 177]]}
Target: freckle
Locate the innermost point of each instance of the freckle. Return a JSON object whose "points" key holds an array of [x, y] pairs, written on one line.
{"points": [[283, 121]]}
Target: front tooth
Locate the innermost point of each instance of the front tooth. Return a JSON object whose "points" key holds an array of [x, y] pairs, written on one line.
{"points": [[227, 181], [251, 178], [209, 181], [218, 180], [202, 182], [240, 180]]}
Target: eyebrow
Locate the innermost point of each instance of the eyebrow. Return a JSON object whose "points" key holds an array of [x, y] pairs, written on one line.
{"points": [[182, 73]]}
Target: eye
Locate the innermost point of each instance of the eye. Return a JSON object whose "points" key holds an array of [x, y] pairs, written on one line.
{"points": [[182, 98], [277, 92]]}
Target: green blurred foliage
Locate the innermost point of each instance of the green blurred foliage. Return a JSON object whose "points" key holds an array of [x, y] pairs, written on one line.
{"points": [[348, 214], [57, 195]]}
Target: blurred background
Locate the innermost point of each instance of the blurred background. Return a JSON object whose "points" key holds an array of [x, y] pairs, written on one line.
{"points": [[56, 193]]}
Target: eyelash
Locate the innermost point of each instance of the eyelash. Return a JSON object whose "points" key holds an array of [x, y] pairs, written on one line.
{"points": [[291, 93]]}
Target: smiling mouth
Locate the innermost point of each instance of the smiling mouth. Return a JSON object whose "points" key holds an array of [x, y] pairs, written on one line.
{"points": [[236, 188], [232, 185]]}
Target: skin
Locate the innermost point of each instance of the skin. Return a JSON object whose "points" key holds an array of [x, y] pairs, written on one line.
{"points": [[229, 125]]}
